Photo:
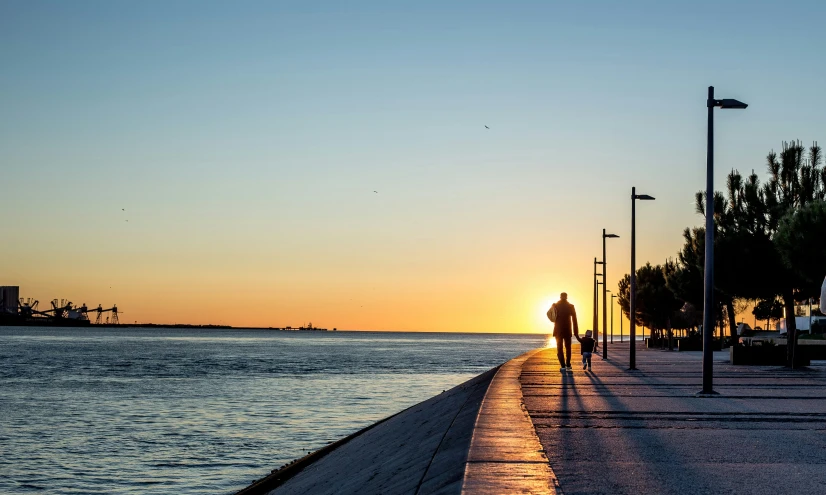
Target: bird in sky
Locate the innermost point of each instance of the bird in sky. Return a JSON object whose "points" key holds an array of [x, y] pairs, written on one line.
{"points": [[486, 127], [123, 209], [376, 192]]}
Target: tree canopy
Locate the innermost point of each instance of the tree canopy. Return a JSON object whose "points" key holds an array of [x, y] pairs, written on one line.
{"points": [[656, 304], [801, 242], [769, 242]]}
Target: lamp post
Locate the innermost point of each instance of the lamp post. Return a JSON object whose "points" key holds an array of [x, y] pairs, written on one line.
{"points": [[598, 284], [612, 316], [594, 296], [708, 296], [604, 290], [596, 302], [620, 325], [633, 288]]}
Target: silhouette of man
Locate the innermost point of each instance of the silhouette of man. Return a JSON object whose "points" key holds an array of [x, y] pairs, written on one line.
{"points": [[565, 322]]}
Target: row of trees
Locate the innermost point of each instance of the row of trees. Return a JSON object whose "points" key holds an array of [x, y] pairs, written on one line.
{"points": [[770, 248]]}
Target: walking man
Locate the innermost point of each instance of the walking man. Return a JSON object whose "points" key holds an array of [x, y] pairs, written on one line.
{"points": [[563, 314]]}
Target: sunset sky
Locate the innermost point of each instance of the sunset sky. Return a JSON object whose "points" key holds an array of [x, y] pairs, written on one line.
{"points": [[216, 162]]}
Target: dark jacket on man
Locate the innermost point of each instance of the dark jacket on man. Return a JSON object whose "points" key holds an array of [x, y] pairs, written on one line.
{"points": [[565, 319]]}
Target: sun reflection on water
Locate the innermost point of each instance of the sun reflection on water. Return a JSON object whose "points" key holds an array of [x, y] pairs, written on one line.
{"points": [[550, 342]]}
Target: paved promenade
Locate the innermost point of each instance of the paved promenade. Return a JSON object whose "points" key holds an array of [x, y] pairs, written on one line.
{"points": [[525, 427], [613, 431]]}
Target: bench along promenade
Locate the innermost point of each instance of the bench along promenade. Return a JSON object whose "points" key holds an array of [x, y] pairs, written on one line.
{"points": [[526, 427]]}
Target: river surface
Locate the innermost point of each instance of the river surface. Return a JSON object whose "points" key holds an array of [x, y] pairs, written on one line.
{"points": [[157, 411]]}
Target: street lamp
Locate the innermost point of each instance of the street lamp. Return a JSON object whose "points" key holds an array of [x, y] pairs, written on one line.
{"points": [[604, 290], [708, 297], [612, 316], [633, 288], [596, 302], [596, 338]]}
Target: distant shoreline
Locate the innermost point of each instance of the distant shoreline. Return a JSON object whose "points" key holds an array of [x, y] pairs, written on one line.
{"points": [[65, 324], [187, 326]]}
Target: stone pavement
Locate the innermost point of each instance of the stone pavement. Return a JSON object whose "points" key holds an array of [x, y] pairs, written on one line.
{"points": [[614, 431]]}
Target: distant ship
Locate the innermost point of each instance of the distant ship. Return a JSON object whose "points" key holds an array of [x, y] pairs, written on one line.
{"points": [[307, 328], [17, 320]]}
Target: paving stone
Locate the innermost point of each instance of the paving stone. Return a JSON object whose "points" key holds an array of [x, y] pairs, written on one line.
{"points": [[614, 431]]}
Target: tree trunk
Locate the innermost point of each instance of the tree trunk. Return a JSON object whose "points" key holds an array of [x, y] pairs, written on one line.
{"points": [[731, 323], [791, 328]]}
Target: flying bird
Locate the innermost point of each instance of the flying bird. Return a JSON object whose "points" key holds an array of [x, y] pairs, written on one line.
{"points": [[376, 192], [486, 127]]}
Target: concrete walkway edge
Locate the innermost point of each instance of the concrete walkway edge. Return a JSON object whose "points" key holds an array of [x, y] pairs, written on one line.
{"points": [[505, 454]]}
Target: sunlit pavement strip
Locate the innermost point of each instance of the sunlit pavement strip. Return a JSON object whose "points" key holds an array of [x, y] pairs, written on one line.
{"points": [[505, 454], [615, 431]]}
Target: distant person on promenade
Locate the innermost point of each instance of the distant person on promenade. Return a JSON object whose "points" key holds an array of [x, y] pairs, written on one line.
{"points": [[563, 315], [587, 345]]}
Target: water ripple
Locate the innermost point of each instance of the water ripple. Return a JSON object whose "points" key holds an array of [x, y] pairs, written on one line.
{"points": [[154, 411]]}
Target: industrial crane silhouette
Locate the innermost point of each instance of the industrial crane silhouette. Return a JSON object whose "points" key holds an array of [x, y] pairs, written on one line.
{"points": [[60, 308], [28, 307], [99, 310], [63, 309]]}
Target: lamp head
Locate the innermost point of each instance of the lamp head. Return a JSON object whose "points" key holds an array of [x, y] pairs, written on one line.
{"points": [[730, 103], [611, 236], [644, 197]]}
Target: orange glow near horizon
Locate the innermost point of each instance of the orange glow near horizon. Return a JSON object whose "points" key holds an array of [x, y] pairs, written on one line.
{"points": [[507, 294], [436, 303]]}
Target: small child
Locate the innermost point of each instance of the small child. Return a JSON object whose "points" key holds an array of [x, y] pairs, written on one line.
{"points": [[587, 345]]}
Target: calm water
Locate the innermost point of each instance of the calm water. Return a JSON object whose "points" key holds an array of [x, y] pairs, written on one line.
{"points": [[194, 411]]}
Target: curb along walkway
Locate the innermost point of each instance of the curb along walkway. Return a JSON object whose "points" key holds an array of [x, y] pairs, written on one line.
{"points": [[505, 454]]}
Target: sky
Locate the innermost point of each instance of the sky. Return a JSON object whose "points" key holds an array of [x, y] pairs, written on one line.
{"points": [[278, 163]]}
